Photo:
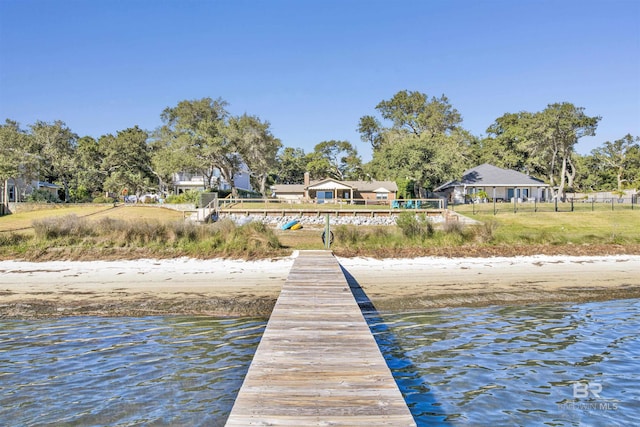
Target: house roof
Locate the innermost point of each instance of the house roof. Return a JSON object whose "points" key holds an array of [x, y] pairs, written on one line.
{"points": [[43, 184], [288, 188], [487, 175], [330, 184], [373, 186]]}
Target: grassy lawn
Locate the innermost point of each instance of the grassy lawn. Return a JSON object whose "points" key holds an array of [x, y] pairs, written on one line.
{"points": [[102, 231], [23, 220], [578, 227]]}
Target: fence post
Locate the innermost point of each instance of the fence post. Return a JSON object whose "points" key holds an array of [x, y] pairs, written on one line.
{"points": [[593, 204], [612, 204], [556, 203], [571, 205]]}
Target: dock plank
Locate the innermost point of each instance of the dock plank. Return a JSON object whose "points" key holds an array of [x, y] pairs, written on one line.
{"points": [[317, 363]]}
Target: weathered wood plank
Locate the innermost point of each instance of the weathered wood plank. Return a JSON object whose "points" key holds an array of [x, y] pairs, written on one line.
{"points": [[318, 363]]}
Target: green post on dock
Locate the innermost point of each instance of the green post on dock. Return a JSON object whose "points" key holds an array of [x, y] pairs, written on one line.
{"points": [[327, 232]]}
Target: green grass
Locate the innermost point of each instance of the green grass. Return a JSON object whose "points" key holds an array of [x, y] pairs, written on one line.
{"points": [[131, 232], [579, 227], [24, 220], [95, 232]]}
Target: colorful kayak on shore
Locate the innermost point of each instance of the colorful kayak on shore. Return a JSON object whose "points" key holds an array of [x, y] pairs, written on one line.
{"points": [[290, 224], [297, 226]]}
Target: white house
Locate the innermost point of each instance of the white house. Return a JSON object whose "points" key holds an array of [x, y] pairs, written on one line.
{"points": [[183, 181], [17, 190], [499, 184]]}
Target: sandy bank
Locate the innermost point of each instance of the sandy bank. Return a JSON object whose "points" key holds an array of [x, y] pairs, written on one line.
{"points": [[448, 282], [229, 287]]}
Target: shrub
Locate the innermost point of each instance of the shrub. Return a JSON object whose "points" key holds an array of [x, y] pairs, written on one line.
{"points": [[103, 199], [189, 196], [187, 231], [415, 226], [65, 226], [453, 227], [43, 196], [144, 232], [347, 234], [12, 239], [484, 232]]}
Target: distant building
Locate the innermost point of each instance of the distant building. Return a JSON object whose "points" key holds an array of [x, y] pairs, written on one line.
{"points": [[18, 190], [500, 184], [183, 181], [329, 189]]}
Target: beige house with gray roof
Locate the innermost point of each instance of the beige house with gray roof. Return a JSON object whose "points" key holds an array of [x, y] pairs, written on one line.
{"points": [[329, 189]]}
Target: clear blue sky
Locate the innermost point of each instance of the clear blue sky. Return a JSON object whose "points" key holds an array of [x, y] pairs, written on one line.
{"points": [[313, 68]]}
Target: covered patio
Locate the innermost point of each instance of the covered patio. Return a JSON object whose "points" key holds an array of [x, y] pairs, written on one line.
{"points": [[329, 190]]}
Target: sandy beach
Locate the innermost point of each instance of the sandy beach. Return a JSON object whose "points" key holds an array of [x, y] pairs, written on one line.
{"points": [[234, 287]]}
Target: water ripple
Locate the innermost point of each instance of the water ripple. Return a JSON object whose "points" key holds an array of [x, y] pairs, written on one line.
{"points": [[516, 365], [455, 367], [123, 371]]}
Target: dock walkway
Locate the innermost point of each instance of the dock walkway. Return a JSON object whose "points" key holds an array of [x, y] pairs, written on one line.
{"points": [[318, 363]]}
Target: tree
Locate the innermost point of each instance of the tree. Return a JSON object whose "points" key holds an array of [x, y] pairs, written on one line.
{"points": [[541, 143], [57, 145], [371, 131], [337, 159], [126, 161], [291, 164], [423, 141], [88, 176], [590, 176], [426, 160], [618, 157], [416, 114], [552, 136], [506, 146], [15, 158], [191, 138], [257, 147], [201, 136]]}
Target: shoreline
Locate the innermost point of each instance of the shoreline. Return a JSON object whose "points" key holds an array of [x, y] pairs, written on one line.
{"points": [[222, 287]]}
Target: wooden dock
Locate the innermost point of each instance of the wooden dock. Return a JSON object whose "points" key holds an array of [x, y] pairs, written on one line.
{"points": [[318, 363]]}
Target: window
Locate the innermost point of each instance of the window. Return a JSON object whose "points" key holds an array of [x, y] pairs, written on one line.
{"points": [[382, 196]]}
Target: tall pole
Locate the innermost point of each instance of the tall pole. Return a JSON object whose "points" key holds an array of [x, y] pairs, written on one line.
{"points": [[327, 233]]}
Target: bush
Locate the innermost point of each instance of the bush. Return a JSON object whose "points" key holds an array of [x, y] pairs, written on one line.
{"points": [[103, 199], [485, 231], [189, 196], [186, 231], [415, 226], [66, 226], [12, 239], [43, 196], [347, 234]]}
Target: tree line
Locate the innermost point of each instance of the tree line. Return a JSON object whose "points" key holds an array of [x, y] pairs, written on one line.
{"points": [[417, 141]]}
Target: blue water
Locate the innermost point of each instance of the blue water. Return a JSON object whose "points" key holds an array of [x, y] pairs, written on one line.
{"points": [[155, 371], [465, 366], [517, 365]]}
